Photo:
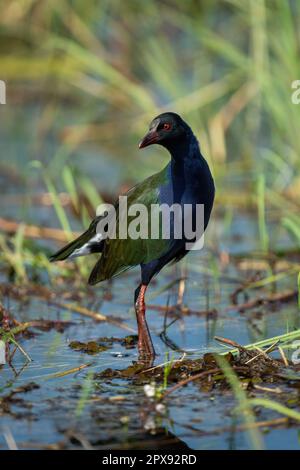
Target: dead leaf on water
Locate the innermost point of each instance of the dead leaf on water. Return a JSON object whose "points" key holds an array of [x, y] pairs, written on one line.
{"points": [[91, 347]]}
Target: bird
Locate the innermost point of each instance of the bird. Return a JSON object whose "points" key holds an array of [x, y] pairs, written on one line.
{"points": [[186, 179]]}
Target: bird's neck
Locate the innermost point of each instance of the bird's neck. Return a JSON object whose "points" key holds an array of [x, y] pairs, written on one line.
{"points": [[184, 153]]}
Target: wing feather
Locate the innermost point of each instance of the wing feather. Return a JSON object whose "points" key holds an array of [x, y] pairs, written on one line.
{"points": [[122, 254]]}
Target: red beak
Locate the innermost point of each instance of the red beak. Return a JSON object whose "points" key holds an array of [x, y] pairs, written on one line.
{"points": [[149, 139]]}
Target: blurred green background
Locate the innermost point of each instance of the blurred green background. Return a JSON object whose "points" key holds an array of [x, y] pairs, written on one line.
{"points": [[84, 79]]}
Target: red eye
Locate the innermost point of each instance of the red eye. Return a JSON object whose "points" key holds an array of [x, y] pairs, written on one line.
{"points": [[167, 126]]}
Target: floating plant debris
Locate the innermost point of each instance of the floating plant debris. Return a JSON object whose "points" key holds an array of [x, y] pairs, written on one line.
{"points": [[91, 347]]}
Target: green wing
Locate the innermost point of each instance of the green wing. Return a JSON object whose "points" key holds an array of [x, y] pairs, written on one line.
{"points": [[121, 254]]}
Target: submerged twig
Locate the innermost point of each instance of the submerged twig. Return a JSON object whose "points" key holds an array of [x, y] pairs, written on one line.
{"points": [[227, 341], [184, 310], [48, 296], [67, 372], [12, 340], [94, 315], [285, 296]]}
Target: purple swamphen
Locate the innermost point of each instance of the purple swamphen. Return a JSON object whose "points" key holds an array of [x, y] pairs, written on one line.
{"points": [[186, 180]]}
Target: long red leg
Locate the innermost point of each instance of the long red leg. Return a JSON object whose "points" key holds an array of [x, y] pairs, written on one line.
{"points": [[145, 345]]}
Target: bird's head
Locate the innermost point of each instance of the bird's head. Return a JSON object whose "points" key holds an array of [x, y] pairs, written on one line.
{"points": [[166, 129]]}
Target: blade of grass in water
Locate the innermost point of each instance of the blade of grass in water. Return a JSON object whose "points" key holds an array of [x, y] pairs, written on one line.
{"points": [[292, 225], [67, 372], [273, 405], [281, 339], [60, 212], [70, 185], [86, 390], [90, 191], [243, 402]]}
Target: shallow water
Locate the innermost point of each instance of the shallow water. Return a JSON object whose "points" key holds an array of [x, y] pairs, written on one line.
{"points": [[115, 413], [77, 410]]}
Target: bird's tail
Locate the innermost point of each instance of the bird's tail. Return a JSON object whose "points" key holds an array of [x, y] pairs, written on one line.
{"points": [[70, 248]]}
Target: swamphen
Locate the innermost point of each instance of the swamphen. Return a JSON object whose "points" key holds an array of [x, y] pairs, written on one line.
{"points": [[185, 180]]}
